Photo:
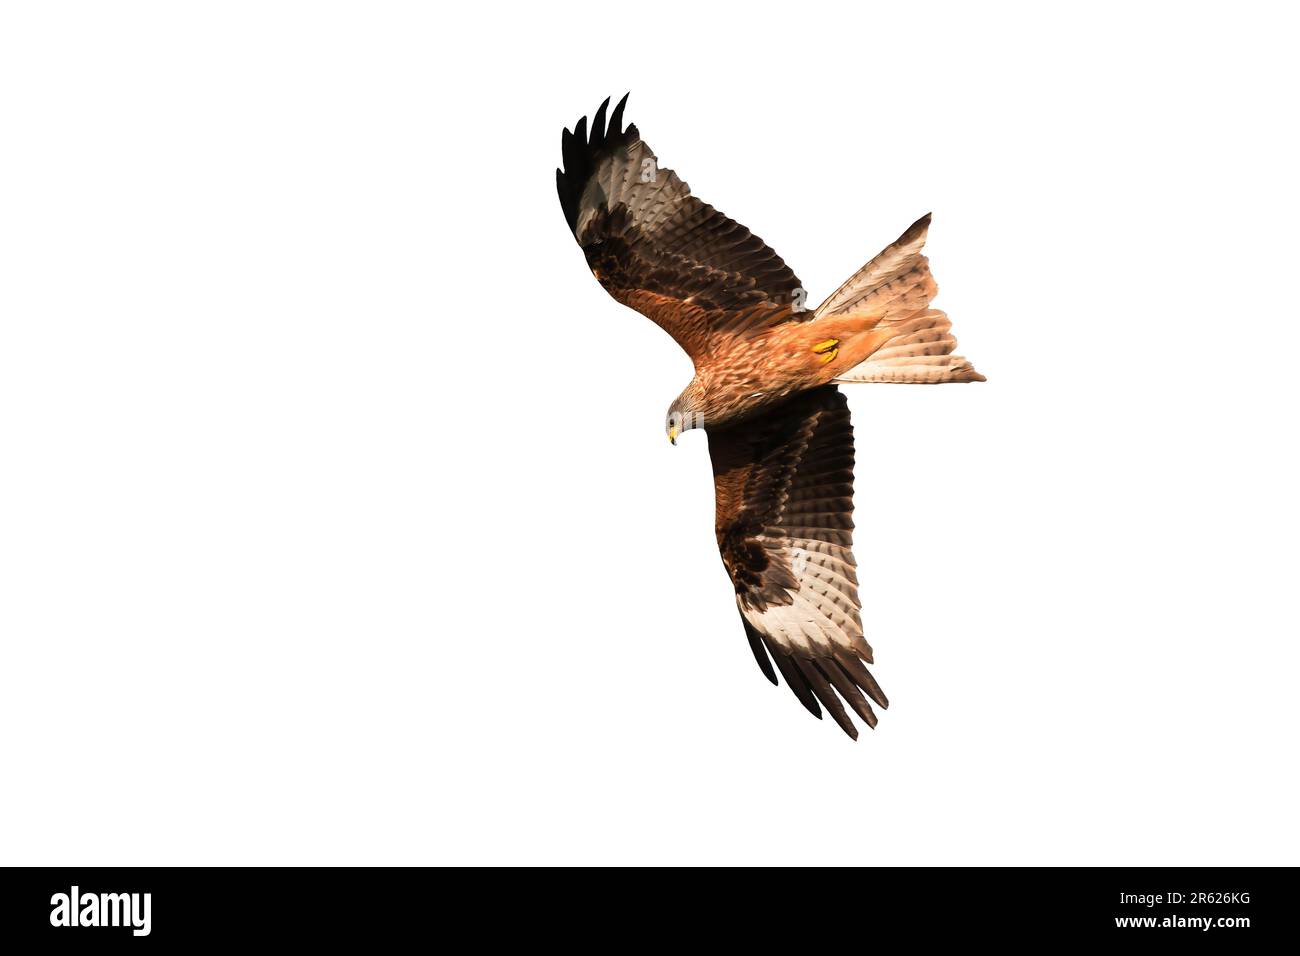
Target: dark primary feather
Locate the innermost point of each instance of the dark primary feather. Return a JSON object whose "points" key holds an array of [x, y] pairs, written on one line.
{"points": [[760, 652], [795, 680]]}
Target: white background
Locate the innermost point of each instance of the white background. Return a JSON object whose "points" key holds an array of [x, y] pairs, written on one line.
{"points": [[338, 524]]}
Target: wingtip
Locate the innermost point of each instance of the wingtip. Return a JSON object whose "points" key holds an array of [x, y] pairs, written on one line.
{"points": [[580, 149], [760, 652]]}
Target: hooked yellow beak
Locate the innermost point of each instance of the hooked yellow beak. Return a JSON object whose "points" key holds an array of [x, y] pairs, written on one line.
{"points": [[672, 434]]}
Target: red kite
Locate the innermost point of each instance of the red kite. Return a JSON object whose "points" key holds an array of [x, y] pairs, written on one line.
{"points": [[764, 390]]}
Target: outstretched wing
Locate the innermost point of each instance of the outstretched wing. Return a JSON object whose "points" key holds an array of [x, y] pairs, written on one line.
{"points": [[784, 487], [657, 248]]}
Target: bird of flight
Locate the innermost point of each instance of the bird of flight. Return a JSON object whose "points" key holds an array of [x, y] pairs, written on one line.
{"points": [[765, 392]]}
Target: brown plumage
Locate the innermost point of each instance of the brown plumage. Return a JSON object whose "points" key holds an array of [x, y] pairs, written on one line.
{"points": [[765, 367]]}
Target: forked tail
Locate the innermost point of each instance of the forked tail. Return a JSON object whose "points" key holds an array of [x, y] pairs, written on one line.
{"points": [[893, 291]]}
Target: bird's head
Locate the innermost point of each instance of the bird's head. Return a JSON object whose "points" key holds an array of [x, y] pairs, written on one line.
{"points": [[686, 412]]}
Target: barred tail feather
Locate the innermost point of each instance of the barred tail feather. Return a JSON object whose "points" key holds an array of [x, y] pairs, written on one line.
{"points": [[892, 292], [919, 353]]}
